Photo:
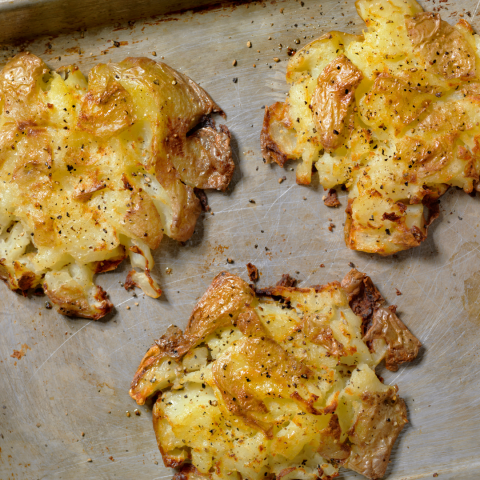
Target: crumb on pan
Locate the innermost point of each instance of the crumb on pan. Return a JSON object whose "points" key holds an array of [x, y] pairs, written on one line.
{"points": [[252, 271]]}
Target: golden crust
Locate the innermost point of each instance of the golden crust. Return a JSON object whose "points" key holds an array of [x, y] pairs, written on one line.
{"points": [[281, 366], [122, 152], [396, 122], [259, 357]]}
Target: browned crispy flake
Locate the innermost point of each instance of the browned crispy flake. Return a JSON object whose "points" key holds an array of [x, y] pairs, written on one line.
{"points": [[392, 216], [189, 472], [330, 445], [316, 329], [130, 283], [363, 296], [74, 301], [331, 200], [90, 184], [110, 264], [286, 281], [202, 197]]}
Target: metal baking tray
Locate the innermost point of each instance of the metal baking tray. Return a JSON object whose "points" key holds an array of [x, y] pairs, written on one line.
{"points": [[74, 374]]}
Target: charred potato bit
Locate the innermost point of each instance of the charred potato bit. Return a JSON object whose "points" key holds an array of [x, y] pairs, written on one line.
{"points": [[392, 114], [278, 383], [93, 171]]}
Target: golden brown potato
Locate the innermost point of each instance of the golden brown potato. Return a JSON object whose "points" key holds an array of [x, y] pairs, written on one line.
{"points": [[278, 383], [94, 170], [393, 115]]}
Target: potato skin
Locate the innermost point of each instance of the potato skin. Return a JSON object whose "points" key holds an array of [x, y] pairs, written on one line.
{"points": [[251, 362], [381, 115], [445, 49], [96, 169], [333, 99]]}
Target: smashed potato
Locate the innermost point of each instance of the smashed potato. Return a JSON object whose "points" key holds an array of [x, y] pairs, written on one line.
{"points": [[393, 115], [95, 171], [278, 383]]}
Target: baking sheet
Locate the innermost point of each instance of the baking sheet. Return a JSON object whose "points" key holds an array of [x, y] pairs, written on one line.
{"points": [[74, 374]]}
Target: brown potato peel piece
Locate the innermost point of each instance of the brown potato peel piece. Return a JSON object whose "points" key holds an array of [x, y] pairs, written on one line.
{"points": [[376, 428], [402, 345], [383, 323], [107, 108], [277, 140]]}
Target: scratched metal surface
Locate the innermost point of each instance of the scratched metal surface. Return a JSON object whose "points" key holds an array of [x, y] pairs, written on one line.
{"points": [[75, 374]]}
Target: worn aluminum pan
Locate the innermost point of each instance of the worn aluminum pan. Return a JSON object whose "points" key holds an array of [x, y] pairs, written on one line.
{"points": [[75, 374], [25, 19]]}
